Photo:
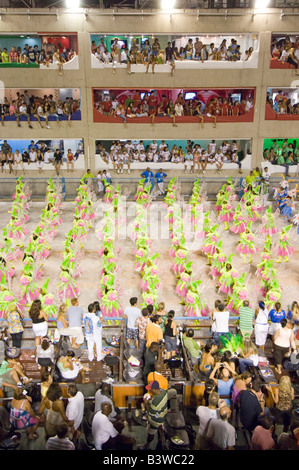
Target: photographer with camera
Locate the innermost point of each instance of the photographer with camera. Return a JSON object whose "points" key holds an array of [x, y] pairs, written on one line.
{"points": [[225, 381]]}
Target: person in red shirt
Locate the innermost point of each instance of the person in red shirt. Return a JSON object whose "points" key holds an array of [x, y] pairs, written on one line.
{"points": [[165, 102], [13, 55], [70, 160], [262, 437], [224, 107], [152, 100], [180, 99], [280, 96], [153, 104], [136, 99], [242, 107], [235, 109], [210, 111], [107, 106], [218, 107]]}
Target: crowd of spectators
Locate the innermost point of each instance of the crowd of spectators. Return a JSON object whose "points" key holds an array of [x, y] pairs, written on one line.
{"points": [[38, 155], [194, 157], [147, 53], [147, 104], [282, 103], [43, 109], [235, 394], [282, 153], [286, 51], [34, 55]]}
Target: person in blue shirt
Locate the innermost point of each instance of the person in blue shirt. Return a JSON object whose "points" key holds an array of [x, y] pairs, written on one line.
{"points": [[33, 146], [160, 175], [149, 178], [276, 314], [31, 55]]}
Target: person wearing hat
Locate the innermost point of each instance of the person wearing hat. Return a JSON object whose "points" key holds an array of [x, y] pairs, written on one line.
{"points": [[157, 409]]}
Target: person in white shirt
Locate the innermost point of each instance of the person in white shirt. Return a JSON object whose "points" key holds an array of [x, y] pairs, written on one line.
{"points": [[47, 157], [140, 146], [129, 146], [120, 162], [156, 157], [107, 176], [249, 104], [261, 326], [40, 115], [162, 146], [23, 112], [175, 159], [212, 147], [285, 54], [204, 414], [93, 333], [142, 156], [220, 319], [75, 407], [126, 159], [102, 428], [114, 159], [178, 109], [218, 158], [123, 56], [166, 155], [101, 396], [150, 156], [106, 56], [18, 162], [98, 54], [266, 173], [131, 314], [154, 146], [114, 103], [136, 156], [32, 156]]}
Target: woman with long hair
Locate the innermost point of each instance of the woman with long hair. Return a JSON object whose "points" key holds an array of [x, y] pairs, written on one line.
{"points": [[70, 367], [249, 355], [170, 335], [54, 405], [225, 380], [207, 361], [39, 321], [22, 415], [283, 396], [161, 312], [241, 383]]}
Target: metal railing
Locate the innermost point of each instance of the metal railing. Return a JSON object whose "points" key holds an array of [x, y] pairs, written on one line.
{"points": [[128, 185]]}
